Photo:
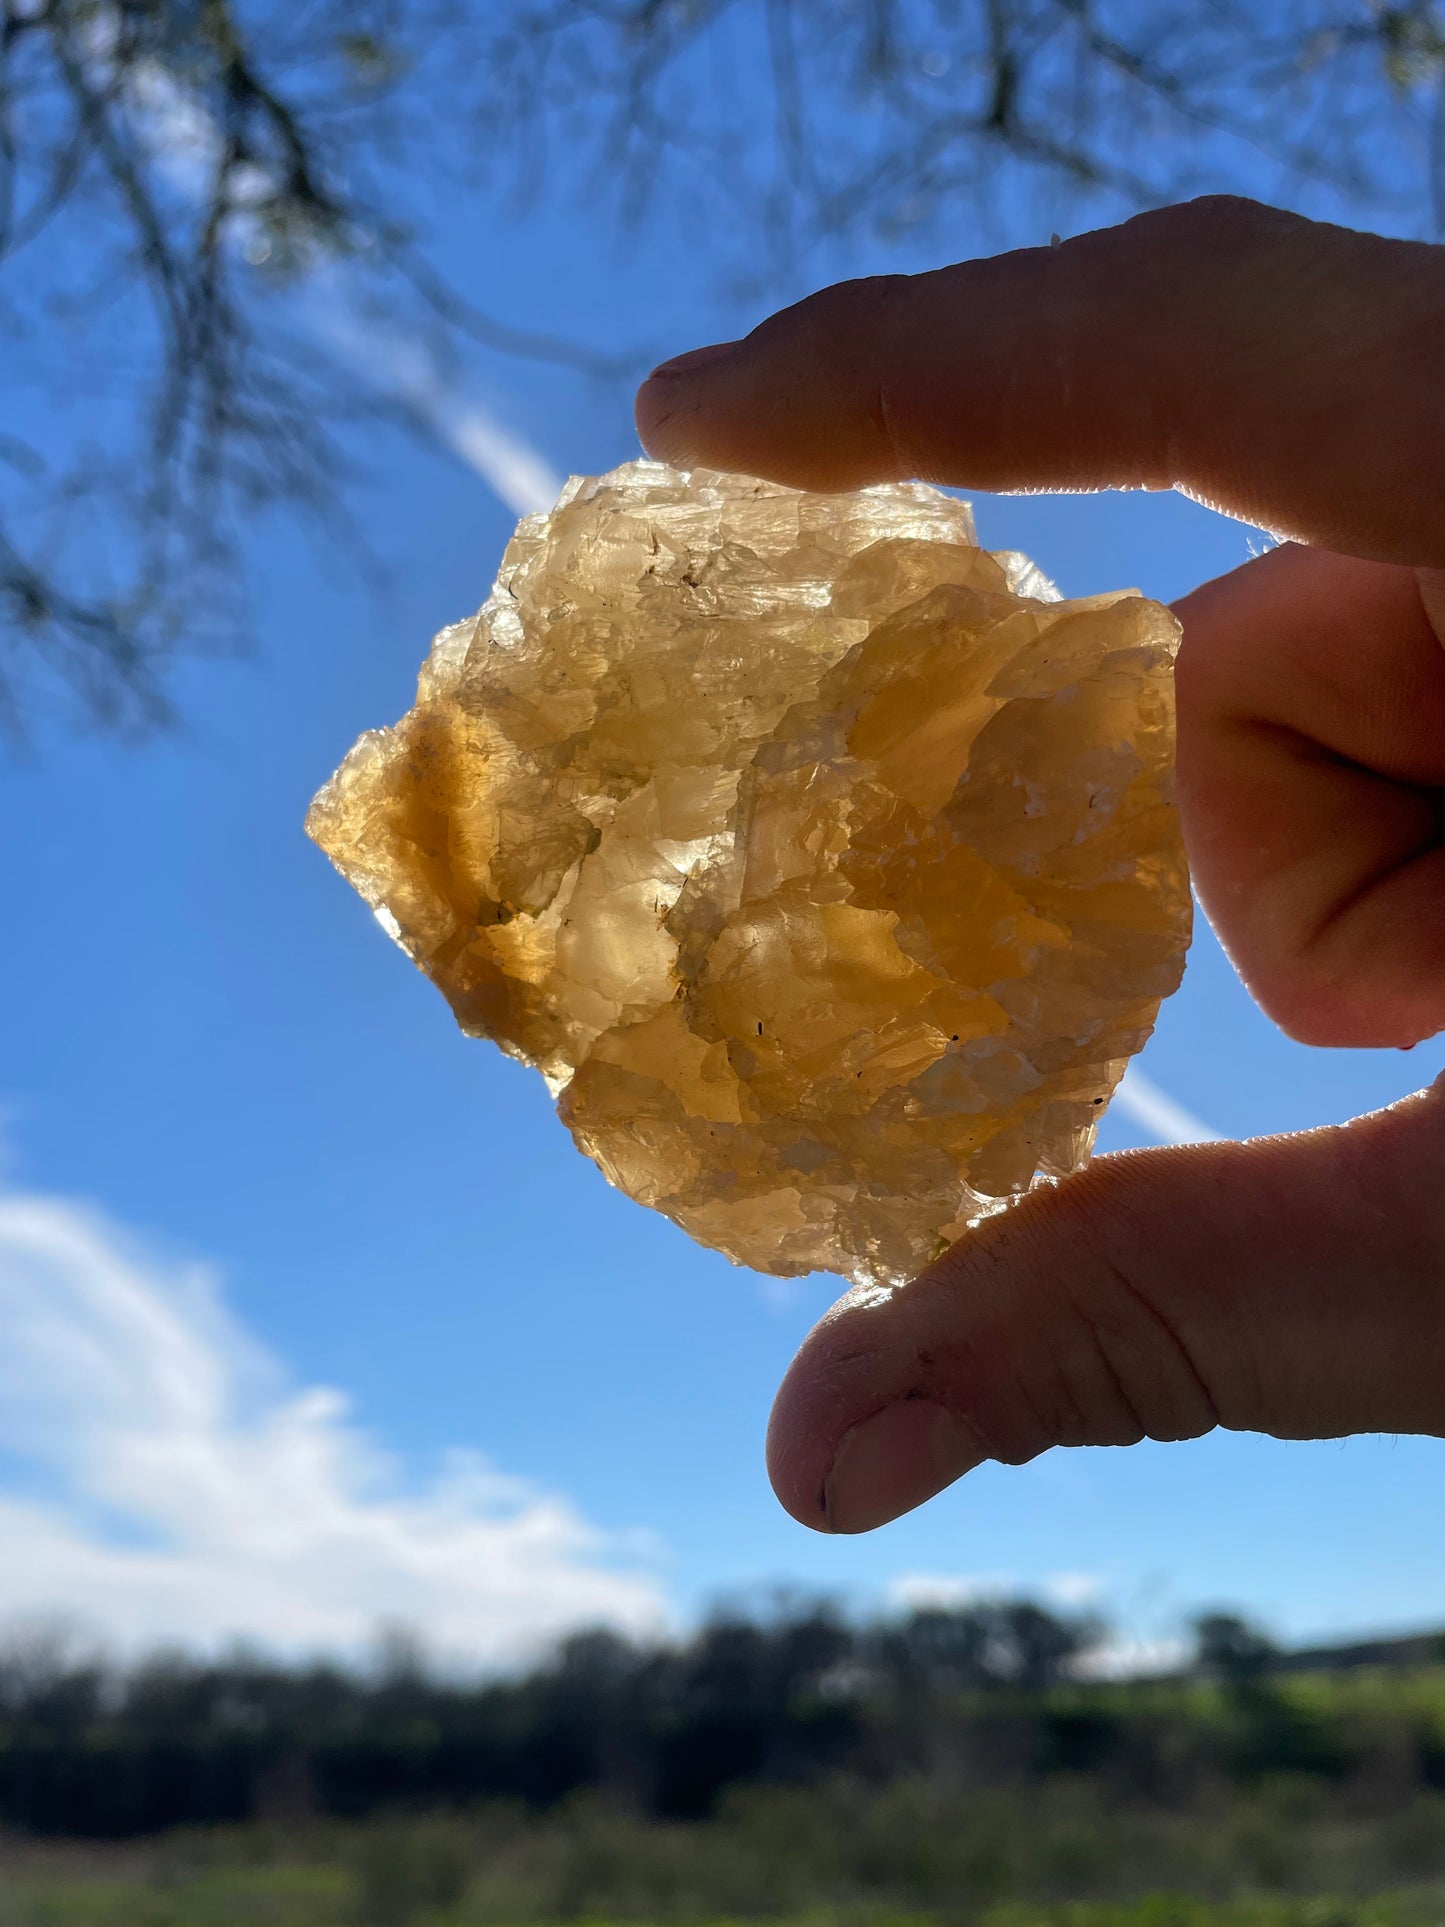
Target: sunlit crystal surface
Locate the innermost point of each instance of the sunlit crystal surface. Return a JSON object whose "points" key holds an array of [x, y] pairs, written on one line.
{"points": [[826, 864]]}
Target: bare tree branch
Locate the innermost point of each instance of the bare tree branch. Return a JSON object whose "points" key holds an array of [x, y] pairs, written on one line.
{"points": [[171, 169]]}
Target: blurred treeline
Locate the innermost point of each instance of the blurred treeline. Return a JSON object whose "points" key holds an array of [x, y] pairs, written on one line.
{"points": [[917, 1750]]}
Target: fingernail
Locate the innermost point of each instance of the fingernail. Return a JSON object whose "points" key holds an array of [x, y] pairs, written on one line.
{"points": [[892, 1462], [693, 361]]}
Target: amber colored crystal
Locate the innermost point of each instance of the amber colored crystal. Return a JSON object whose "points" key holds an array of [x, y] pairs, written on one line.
{"points": [[825, 864]]}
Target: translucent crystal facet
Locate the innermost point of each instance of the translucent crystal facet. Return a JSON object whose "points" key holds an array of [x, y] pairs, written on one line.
{"points": [[825, 864]]}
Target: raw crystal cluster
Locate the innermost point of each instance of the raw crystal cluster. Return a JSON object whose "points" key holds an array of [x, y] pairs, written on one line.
{"points": [[825, 864]]}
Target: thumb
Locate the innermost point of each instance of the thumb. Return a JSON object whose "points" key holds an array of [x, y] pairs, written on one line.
{"points": [[1291, 1285]]}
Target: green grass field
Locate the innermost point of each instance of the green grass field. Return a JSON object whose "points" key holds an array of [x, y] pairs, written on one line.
{"points": [[591, 1866], [159, 1889]]}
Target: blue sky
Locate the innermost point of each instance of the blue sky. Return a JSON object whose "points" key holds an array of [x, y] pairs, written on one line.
{"points": [[311, 1319]]}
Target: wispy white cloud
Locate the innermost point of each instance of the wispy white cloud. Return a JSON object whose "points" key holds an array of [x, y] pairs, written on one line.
{"points": [[402, 366], [1166, 1121], [508, 465], [160, 1479]]}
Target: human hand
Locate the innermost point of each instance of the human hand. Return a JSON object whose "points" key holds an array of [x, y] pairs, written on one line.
{"points": [[1291, 374]]}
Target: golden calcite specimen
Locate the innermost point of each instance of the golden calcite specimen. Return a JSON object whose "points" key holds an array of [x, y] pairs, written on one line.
{"points": [[825, 864]]}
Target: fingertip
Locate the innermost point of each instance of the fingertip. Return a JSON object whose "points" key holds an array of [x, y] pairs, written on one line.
{"points": [[855, 1439], [670, 406], [694, 360], [797, 1458], [831, 1384], [795, 401], [893, 1461], [662, 415]]}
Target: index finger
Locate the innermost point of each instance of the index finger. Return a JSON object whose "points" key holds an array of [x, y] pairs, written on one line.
{"points": [[1285, 371]]}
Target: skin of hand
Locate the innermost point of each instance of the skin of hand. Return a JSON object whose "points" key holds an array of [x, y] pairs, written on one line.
{"points": [[1292, 374]]}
